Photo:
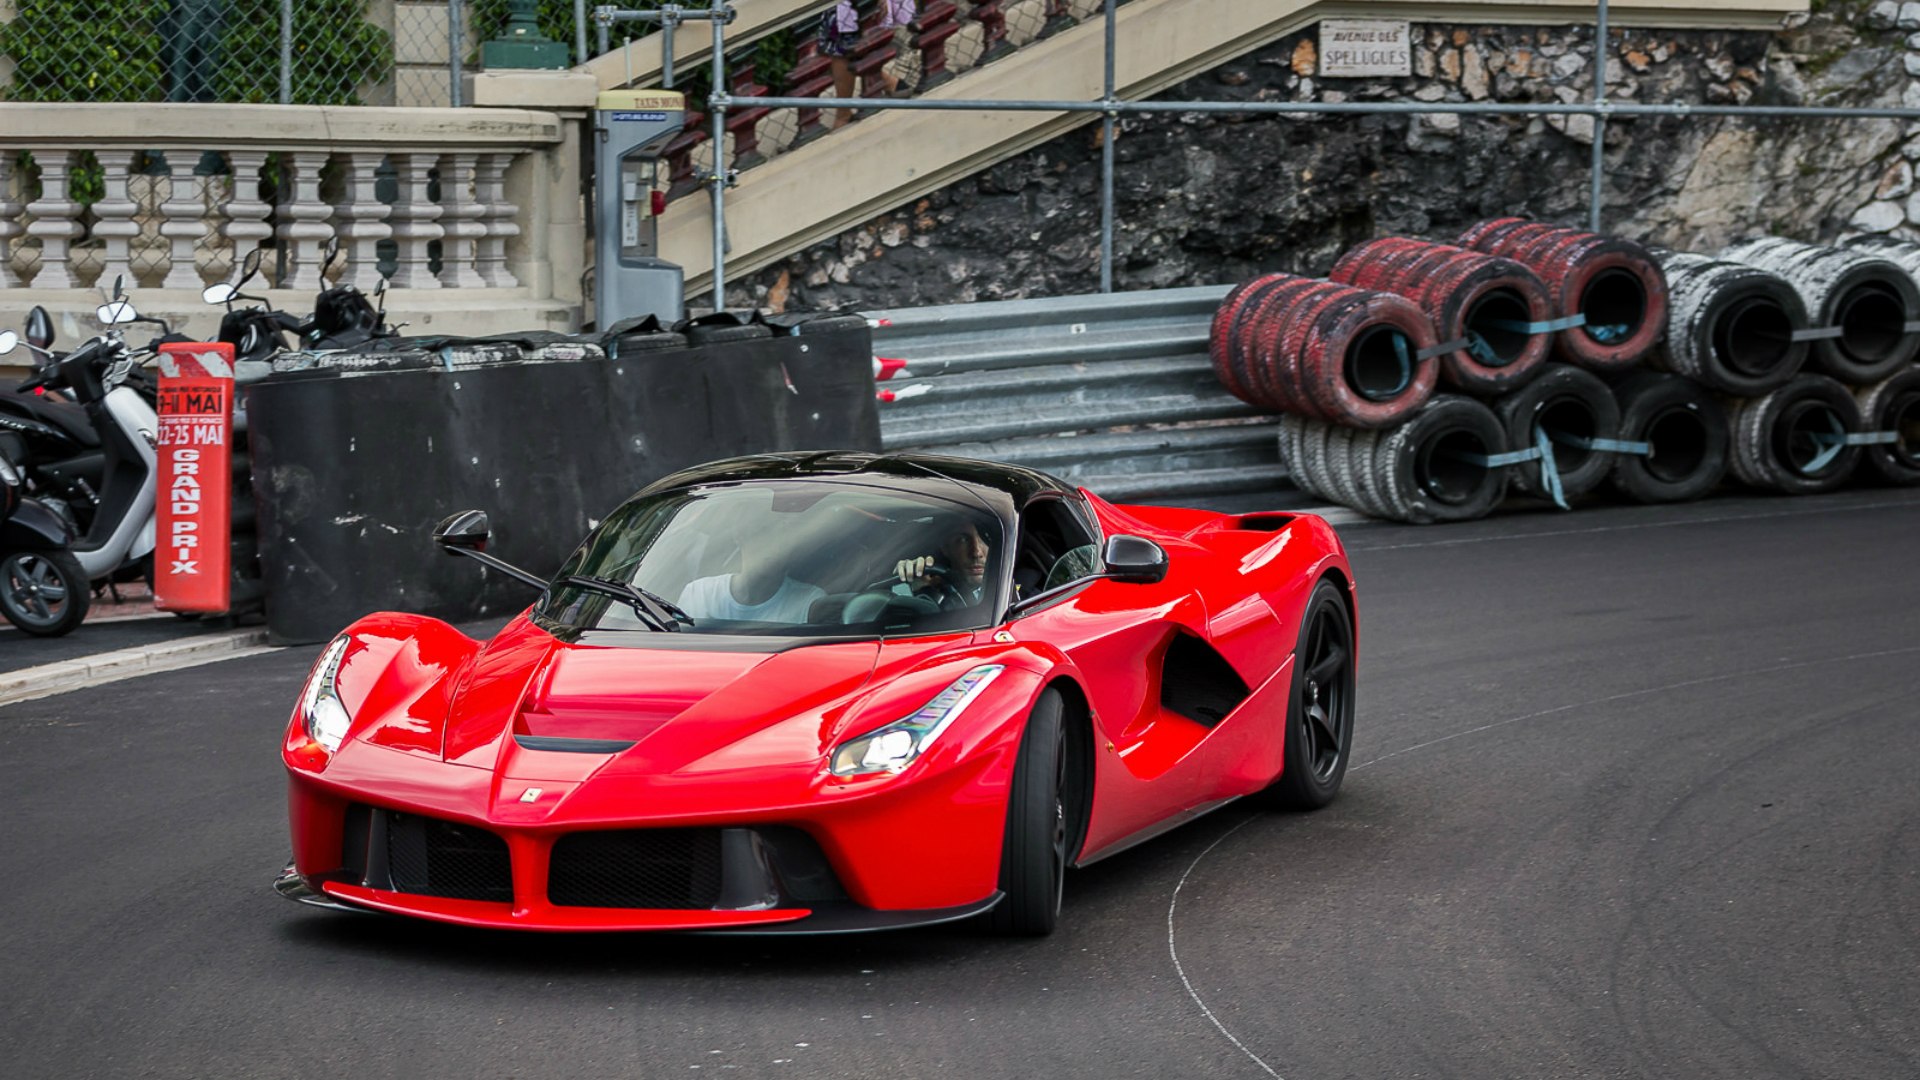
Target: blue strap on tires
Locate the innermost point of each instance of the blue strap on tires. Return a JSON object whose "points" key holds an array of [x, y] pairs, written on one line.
{"points": [[1606, 446], [1604, 333], [1472, 343], [1816, 333]]}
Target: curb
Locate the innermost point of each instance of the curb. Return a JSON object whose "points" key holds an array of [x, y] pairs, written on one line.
{"points": [[46, 680]]}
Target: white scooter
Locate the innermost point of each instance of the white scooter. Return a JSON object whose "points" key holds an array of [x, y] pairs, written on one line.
{"points": [[122, 533]]}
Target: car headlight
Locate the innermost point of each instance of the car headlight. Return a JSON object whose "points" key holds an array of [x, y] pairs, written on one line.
{"points": [[893, 747], [321, 711]]}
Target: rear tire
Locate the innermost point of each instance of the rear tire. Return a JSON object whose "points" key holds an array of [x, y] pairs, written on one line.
{"points": [[44, 593], [1319, 732], [1033, 856]]}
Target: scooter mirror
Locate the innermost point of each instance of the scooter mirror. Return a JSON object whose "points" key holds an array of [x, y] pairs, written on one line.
{"points": [[8, 339], [118, 280], [39, 328], [219, 293], [251, 265], [119, 311]]}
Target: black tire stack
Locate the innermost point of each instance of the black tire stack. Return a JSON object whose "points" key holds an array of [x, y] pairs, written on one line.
{"points": [[1807, 432], [1549, 430]]}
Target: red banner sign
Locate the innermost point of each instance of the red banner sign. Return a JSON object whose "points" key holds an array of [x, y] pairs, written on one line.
{"points": [[193, 502]]}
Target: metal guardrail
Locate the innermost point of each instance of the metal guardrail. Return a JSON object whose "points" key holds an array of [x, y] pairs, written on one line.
{"points": [[1113, 392]]}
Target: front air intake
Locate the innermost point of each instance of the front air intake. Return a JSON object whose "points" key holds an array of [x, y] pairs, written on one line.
{"points": [[676, 869]]}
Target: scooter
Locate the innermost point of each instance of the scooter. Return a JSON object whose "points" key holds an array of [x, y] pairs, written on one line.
{"points": [[343, 316], [43, 588], [117, 542]]}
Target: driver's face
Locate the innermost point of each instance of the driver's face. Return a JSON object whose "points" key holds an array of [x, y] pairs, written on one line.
{"points": [[967, 553]]}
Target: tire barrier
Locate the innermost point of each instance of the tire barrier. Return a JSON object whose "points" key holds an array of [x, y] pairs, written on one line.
{"points": [[1324, 350], [1567, 419], [1607, 291], [1441, 465], [1865, 309], [1682, 430], [1801, 439], [1890, 411], [1483, 307], [1731, 326], [355, 459]]}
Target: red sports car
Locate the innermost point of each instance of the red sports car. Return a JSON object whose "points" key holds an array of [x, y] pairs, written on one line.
{"points": [[823, 692]]}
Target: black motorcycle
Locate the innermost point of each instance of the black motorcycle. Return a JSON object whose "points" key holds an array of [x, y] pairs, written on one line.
{"points": [[343, 316], [43, 589]]}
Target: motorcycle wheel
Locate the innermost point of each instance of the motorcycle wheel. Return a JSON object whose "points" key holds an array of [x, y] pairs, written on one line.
{"points": [[43, 592]]}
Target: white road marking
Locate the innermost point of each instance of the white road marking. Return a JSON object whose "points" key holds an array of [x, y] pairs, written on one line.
{"points": [[1173, 902]]}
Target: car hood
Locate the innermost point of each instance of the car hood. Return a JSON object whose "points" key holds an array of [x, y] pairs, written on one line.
{"points": [[675, 706]]}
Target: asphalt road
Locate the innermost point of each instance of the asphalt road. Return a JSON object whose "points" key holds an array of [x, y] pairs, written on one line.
{"points": [[1635, 795]]}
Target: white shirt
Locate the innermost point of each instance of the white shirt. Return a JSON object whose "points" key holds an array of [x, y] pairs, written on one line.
{"points": [[712, 598]]}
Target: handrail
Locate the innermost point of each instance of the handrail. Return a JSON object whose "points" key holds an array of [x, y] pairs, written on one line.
{"points": [[817, 190]]}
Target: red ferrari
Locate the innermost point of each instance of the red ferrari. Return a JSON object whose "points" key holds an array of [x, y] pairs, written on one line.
{"points": [[821, 692]]}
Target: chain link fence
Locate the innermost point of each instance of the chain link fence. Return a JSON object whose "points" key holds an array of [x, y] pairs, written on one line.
{"points": [[305, 52]]}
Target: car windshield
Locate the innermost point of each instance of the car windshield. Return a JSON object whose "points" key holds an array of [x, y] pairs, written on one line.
{"points": [[787, 558]]}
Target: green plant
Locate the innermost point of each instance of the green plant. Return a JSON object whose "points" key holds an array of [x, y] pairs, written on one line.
{"points": [[773, 56], [336, 51], [86, 50], [191, 50]]}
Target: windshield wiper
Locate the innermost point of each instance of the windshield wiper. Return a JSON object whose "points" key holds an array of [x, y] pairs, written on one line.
{"points": [[649, 606]]}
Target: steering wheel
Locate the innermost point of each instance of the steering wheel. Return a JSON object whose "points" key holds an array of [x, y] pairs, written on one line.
{"points": [[936, 569]]}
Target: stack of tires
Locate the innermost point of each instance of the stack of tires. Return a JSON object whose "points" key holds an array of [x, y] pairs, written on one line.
{"points": [[1526, 323], [1856, 407], [1552, 361]]}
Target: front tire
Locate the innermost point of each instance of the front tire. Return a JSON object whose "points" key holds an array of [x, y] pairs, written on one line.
{"points": [[1319, 734], [1033, 856], [44, 593]]}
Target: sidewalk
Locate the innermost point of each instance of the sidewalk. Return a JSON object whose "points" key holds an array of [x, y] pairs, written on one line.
{"points": [[129, 623]]}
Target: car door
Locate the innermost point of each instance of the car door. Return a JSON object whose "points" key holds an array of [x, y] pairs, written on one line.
{"points": [[1118, 636]]}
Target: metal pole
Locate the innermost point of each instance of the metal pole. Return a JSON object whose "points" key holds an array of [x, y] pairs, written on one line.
{"points": [[600, 26], [717, 109], [580, 31], [456, 37], [669, 16], [286, 52], [1108, 129], [1598, 163], [1357, 108]]}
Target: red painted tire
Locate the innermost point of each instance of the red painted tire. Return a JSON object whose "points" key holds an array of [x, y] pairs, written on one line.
{"points": [[1610, 280], [1467, 295]]}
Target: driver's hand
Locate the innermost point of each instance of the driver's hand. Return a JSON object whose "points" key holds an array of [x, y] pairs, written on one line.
{"points": [[914, 571]]}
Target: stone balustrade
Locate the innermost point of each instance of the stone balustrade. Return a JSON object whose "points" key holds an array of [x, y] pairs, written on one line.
{"points": [[468, 214]]}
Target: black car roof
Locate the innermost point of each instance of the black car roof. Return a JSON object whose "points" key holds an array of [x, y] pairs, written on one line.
{"points": [[928, 473]]}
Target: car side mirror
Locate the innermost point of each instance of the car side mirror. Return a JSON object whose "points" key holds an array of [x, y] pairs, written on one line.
{"points": [[1134, 559], [39, 328], [465, 531]]}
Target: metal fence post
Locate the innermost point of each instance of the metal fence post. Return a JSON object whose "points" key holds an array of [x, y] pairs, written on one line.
{"points": [[717, 109], [456, 37], [1108, 129], [286, 52], [1598, 164], [580, 31]]}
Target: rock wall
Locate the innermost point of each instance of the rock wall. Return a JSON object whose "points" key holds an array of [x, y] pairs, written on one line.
{"points": [[1217, 198]]}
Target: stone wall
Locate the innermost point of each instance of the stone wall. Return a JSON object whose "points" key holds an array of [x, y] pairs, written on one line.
{"points": [[1213, 198]]}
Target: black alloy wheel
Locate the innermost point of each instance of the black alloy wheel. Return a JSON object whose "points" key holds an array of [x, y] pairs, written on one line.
{"points": [[1319, 734], [1033, 856], [43, 592]]}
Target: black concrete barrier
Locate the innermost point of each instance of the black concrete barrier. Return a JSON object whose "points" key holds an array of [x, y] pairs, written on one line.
{"points": [[353, 468]]}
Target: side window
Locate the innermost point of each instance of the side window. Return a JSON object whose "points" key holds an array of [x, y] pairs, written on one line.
{"points": [[1056, 548]]}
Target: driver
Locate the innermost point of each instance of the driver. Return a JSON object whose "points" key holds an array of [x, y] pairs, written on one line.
{"points": [[954, 577], [760, 591]]}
